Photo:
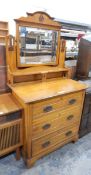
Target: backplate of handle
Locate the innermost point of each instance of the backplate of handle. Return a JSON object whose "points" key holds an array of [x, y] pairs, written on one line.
{"points": [[70, 117], [68, 133], [46, 126], [48, 108], [72, 101], [46, 144]]}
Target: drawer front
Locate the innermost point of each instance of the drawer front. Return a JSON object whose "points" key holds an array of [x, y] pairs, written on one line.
{"points": [[61, 102], [45, 143], [55, 121]]}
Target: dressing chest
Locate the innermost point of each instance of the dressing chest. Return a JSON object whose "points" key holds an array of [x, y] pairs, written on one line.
{"points": [[39, 81]]}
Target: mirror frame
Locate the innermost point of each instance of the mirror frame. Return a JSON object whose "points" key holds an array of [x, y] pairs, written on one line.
{"points": [[37, 20]]}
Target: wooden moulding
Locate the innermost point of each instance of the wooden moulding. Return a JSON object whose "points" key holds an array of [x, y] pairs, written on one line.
{"points": [[39, 20], [39, 77]]}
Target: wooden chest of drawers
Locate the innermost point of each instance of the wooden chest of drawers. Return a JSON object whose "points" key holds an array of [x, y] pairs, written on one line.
{"points": [[55, 121], [51, 115]]}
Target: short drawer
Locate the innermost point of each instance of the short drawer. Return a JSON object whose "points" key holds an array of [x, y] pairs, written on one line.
{"points": [[45, 143], [55, 121], [62, 102]]}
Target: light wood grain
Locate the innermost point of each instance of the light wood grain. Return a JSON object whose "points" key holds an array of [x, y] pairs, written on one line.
{"points": [[38, 70], [8, 104], [39, 91], [60, 102], [52, 104], [45, 143], [55, 121], [3, 31]]}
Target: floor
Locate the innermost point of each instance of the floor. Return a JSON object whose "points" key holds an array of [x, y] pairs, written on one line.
{"points": [[72, 159]]}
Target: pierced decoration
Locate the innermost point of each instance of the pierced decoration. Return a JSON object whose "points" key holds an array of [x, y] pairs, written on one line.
{"points": [[63, 43]]}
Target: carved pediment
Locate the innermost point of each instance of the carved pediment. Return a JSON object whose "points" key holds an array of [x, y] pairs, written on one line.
{"points": [[39, 17]]}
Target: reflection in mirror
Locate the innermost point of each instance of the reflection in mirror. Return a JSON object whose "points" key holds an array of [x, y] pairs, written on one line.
{"points": [[37, 46]]}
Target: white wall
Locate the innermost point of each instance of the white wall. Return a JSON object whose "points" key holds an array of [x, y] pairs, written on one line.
{"points": [[78, 10]]}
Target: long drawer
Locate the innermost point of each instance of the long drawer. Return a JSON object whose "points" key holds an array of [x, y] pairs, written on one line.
{"points": [[62, 102], [45, 143], [55, 121]]}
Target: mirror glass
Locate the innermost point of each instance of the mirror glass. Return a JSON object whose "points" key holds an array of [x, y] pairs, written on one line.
{"points": [[37, 46]]}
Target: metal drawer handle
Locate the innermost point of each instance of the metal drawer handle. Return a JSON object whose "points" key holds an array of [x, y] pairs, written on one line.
{"points": [[70, 117], [46, 144], [68, 133], [72, 101], [46, 126], [48, 109]]}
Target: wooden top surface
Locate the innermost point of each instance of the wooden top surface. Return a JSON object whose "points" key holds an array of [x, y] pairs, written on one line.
{"points": [[43, 90], [8, 104], [38, 70]]}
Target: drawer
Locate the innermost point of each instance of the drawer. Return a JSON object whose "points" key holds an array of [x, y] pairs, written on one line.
{"points": [[62, 102], [55, 121], [47, 142]]}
